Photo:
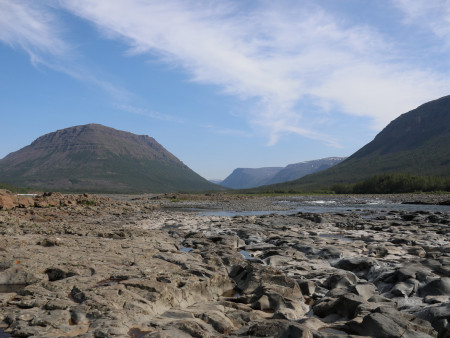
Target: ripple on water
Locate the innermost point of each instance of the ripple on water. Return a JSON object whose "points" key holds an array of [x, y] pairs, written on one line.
{"points": [[246, 254], [185, 249]]}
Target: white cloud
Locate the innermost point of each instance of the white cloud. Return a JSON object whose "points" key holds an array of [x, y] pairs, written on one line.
{"points": [[279, 53], [382, 93], [32, 27], [145, 112], [276, 54], [434, 15]]}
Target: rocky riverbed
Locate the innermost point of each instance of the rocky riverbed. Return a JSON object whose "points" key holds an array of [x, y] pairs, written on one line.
{"points": [[154, 266]]}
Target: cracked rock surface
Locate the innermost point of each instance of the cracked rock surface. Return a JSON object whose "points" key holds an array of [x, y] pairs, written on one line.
{"points": [[154, 266]]}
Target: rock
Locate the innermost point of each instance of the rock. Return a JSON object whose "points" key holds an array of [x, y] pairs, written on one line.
{"points": [[307, 287], [438, 316], [360, 266], [382, 326], [109, 266], [437, 287], [340, 280], [364, 290], [279, 328], [344, 306], [406, 288], [7, 201], [55, 274], [50, 241], [25, 201], [17, 275]]}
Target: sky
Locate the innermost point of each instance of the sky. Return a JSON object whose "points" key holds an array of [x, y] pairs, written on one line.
{"points": [[221, 84]]}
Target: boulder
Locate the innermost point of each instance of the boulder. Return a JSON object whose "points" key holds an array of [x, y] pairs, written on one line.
{"points": [[437, 287], [7, 200], [340, 280], [360, 266], [17, 275], [364, 290], [383, 326], [279, 328], [344, 306]]}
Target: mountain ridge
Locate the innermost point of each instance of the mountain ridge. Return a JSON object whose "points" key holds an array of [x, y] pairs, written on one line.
{"points": [[417, 142], [96, 158], [245, 178]]}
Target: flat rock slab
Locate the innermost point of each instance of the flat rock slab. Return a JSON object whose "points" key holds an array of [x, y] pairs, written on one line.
{"points": [[147, 266]]}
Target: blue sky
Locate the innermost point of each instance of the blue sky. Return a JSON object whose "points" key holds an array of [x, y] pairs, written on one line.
{"points": [[221, 84]]}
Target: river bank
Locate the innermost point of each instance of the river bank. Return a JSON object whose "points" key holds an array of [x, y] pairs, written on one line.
{"points": [[156, 266]]}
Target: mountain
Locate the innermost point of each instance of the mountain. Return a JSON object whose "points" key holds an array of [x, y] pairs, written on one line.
{"points": [[243, 178], [297, 170], [417, 142], [95, 158]]}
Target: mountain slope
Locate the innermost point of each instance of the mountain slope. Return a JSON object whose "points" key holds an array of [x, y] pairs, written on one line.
{"points": [[298, 170], [96, 158], [417, 142], [243, 178]]}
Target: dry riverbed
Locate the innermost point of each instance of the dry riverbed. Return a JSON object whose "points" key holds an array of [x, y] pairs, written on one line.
{"points": [[162, 266]]}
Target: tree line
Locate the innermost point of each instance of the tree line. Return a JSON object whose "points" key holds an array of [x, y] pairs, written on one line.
{"points": [[395, 183]]}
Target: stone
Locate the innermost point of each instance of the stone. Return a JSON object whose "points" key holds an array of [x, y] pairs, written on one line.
{"points": [[279, 328], [344, 306], [406, 288], [364, 290], [340, 280], [382, 326], [360, 266], [110, 266], [7, 201], [437, 287], [17, 275]]}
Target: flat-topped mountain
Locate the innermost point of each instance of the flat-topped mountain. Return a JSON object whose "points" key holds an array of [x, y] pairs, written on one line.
{"points": [[417, 142], [297, 170], [243, 178], [95, 158]]}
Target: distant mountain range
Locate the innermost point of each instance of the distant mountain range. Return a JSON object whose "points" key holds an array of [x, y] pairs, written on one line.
{"points": [[95, 158], [244, 178], [417, 142]]}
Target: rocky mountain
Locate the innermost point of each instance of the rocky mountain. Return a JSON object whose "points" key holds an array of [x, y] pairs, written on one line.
{"points": [[244, 178], [297, 170], [216, 181], [95, 158], [417, 142]]}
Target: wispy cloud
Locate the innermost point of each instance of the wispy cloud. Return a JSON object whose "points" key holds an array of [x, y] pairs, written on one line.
{"points": [[34, 27], [277, 53], [434, 15], [146, 112], [280, 54]]}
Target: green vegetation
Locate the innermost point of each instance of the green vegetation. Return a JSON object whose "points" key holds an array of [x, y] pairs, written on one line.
{"points": [[416, 143], [13, 188], [98, 159], [395, 183], [87, 203]]}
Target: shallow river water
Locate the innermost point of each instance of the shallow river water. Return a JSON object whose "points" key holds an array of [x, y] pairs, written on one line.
{"points": [[368, 206]]}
